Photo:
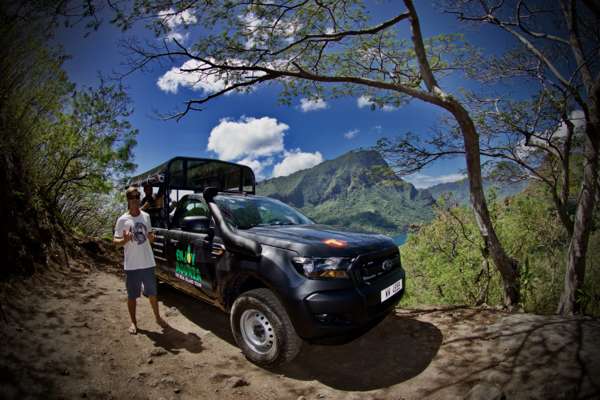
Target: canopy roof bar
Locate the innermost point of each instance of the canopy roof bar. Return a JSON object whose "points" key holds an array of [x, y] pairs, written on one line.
{"points": [[189, 173]]}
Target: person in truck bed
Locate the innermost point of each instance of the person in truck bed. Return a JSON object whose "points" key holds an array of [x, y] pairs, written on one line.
{"points": [[152, 204], [133, 232]]}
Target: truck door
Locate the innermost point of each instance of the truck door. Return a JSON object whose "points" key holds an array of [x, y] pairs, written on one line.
{"points": [[195, 254], [160, 248], [164, 248]]}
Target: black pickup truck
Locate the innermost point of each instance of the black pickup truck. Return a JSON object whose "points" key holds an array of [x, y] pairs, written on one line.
{"points": [[283, 278]]}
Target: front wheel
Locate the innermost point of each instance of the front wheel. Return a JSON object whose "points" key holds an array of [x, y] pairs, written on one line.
{"points": [[262, 329]]}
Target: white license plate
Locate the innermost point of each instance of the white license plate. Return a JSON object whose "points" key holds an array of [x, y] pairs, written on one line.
{"points": [[391, 290]]}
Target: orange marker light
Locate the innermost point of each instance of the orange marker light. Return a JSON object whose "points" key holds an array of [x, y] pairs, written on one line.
{"points": [[335, 243]]}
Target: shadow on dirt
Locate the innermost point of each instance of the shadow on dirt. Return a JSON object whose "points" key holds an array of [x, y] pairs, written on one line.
{"points": [[524, 355], [207, 317], [173, 340], [396, 350]]}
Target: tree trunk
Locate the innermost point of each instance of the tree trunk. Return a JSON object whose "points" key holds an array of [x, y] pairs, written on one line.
{"points": [[561, 208], [575, 272], [562, 200], [507, 266]]}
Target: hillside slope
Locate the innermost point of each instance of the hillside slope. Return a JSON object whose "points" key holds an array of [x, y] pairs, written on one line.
{"points": [[460, 189], [357, 190]]}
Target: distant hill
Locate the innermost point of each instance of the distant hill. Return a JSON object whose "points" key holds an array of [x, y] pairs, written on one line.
{"points": [[356, 190], [460, 189]]}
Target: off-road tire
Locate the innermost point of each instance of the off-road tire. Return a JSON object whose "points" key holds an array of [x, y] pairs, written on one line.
{"points": [[288, 343]]}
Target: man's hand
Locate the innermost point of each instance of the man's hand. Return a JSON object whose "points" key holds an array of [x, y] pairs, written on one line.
{"points": [[122, 241], [127, 236], [151, 236]]}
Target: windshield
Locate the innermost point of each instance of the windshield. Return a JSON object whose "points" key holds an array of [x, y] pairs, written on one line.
{"points": [[247, 212]]}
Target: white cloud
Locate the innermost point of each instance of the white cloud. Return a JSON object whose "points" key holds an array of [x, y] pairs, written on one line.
{"points": [[258, 30], [248, 137], [577, 117], [252, 29], [556, 136], [290, 29], [351, 134], [190, 75], [422, 181], [312, 104], [296, 160], [175, 77], [257, 166], [174, 19], [178, 36], [365, 101]]}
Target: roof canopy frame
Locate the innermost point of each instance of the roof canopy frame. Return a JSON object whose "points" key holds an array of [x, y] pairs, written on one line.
{"points": [[174, 174]]}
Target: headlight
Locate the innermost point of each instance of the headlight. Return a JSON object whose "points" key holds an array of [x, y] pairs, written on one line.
{"points": [[316, 268]]}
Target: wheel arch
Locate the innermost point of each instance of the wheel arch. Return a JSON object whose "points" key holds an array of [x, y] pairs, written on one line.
{"points": [[240, 284]]}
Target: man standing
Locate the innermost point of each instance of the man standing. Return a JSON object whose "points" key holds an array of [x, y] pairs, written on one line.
{"points": [[133, 232]]}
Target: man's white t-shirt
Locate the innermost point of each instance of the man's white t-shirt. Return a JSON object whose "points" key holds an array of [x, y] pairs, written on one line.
{"points": [[138, 253]]}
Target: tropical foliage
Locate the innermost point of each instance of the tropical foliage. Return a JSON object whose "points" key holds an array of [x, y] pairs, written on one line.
{"points": [[446, 262], [63, 148]]}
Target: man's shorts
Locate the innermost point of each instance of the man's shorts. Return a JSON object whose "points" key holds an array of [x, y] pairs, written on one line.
{"points": [[134, 280]]}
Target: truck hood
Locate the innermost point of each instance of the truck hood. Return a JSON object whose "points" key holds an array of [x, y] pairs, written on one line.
{"points": [[309, 240]]}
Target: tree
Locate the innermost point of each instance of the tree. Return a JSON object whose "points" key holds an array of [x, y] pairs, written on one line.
{"points": [[85, 151], [447, 264], [61, 148], [32, 86], [567, 49], [305, 46], [537, 139]]}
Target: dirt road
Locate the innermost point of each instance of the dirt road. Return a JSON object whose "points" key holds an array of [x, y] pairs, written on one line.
{"points": [[65, 336]]}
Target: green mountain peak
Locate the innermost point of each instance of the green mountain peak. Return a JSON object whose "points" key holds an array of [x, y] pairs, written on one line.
{"points": [[357, 190]]}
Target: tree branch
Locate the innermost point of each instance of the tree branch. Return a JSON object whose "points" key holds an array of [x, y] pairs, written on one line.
{"points": [[417, 40], [336, 37], [535, 34]]}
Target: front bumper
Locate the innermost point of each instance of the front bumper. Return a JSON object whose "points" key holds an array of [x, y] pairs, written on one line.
{"points": [[340, 315]]}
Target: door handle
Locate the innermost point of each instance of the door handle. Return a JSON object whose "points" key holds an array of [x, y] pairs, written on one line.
{"points": [[173, 241]]}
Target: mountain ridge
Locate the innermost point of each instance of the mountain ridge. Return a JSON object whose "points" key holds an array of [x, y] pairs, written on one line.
{"points": [[460, 189], [358, 190]]}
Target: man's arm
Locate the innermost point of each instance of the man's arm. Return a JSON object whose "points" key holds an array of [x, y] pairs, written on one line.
{"points": [[122, 240], [121, 236]]}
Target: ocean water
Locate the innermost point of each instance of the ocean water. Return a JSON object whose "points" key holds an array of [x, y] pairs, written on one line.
{"points": [[400, 239]]}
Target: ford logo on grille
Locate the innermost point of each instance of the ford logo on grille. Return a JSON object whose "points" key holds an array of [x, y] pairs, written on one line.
{"points": [[387, 265]]}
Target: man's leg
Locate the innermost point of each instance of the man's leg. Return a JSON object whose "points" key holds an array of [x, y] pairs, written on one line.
{"points": [[154, 303], [131, 303], [149, 280], [133, 284]]}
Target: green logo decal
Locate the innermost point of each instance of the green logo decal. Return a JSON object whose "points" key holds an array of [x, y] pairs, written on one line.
{"points": [[186, 257], [185, 266]]}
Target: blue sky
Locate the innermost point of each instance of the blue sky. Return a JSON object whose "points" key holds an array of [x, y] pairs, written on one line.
{"points": [[253, 128]]}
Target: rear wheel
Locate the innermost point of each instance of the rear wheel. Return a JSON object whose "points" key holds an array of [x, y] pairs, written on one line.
{"points": [[262, 329]]}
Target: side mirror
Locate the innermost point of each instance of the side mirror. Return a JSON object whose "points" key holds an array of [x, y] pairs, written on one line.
{"points": [[196, 224]]}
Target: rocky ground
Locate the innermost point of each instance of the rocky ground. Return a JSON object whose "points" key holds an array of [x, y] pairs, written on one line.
{"points": [[63, 334]]}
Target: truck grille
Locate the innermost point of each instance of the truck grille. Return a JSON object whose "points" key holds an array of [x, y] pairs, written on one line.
{"points": [[373, 265]]}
